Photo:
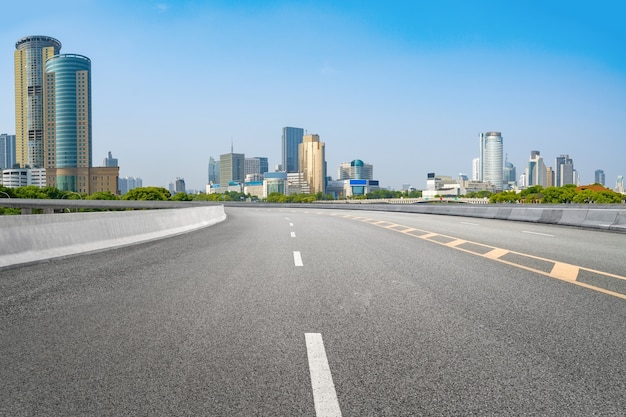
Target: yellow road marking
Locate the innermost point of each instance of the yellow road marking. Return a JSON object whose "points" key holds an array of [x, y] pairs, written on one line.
{"points": [[496, 253], [561, 270], [565, 271], [456, 243]]}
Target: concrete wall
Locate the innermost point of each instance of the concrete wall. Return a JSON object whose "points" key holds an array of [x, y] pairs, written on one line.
{"points": [[588, 216], [32, 238]]}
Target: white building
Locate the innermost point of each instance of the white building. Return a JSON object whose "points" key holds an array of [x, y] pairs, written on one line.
{"points": [[21, 177], [491, 162]]}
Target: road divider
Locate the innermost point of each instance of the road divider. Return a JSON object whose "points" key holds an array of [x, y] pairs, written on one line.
{"points": [[33, 238]]}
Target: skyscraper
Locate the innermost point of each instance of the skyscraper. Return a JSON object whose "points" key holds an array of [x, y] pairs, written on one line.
{"points": [[564, 170], [491, 167], [232, 168], [619, 184], [67, 94], [509, 173], [535, 170], [214, 171], [109, 161], [7, 151], [599, 177], [68, 132], [476, 169], [291, 140], [312, 163], [30, 58]]}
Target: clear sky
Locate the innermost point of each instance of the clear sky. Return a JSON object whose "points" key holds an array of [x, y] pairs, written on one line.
{"points": [[404, 85]]}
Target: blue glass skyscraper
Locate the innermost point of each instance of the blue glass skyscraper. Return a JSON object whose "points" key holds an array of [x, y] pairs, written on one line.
{"points": [[67, 113], [292, 138]]}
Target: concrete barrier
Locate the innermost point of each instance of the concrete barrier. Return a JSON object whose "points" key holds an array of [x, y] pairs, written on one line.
{"points": [[588, 216], [32, 238]]}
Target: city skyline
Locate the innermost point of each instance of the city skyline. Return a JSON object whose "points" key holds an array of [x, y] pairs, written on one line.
{"points": [[406, 87]]}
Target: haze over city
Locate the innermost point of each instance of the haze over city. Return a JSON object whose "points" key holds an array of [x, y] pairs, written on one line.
{"points": [[404, 86]]}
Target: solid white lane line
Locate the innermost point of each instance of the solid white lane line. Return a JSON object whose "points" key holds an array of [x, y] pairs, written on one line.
{"points": [[470, 224], [297, 258], [324, 395], [537, 233], [293, 234]]}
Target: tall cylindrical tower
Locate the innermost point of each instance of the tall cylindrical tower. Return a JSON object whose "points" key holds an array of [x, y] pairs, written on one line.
{"points": [[491, 159], [30, 57], [68, 116]]}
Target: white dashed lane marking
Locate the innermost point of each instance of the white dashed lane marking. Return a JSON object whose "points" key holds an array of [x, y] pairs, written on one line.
{"points": [[324, 395], [297, 258]]}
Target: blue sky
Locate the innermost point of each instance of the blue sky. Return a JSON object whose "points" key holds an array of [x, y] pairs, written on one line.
{"points": [[404, 85]]}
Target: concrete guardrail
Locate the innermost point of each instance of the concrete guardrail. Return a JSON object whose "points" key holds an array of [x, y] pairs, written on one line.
{"points": [[588, 216], [32, 238]]}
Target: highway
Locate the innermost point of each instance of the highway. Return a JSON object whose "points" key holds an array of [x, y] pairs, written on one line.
{"points": [[311, 312]]}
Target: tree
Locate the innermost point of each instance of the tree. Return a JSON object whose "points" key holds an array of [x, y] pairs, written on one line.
{"points": [[6, 192], [102, 195], [147, 193], [31, 191], [505, 197], [181, 197]]}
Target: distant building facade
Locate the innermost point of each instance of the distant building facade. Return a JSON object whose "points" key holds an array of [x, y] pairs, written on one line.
{"points": [[491, 152], [7, 151], [179, 186], [30, 61], [232, 168], [599, 177], [109, 161], [356, 169], [619, 184], [21, 177], [291, 140], [125, 184], [509, 174], [564, 171], [312, 163], [214, 171], [535, 170]]}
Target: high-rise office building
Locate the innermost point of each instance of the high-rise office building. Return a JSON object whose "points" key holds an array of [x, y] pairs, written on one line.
{"points": [[564, 170], [619, 184], [509, 173], [291, 140], [67, 117], [7, 151], [491, 167], [30, 59], [256, 166], [312, 163], [232, 167], [68, 133], [476, 169], [535, 170], [179, 186], [128, 183], [354, 170], [599, 177], [214, 171], [109, 161]]}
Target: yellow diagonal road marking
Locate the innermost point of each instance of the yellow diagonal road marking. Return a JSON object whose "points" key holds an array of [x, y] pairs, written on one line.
{"points": [[561, 270]]}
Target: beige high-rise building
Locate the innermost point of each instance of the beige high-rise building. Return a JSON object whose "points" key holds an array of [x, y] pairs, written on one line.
{"points": [[30, 60], [312, 162]]}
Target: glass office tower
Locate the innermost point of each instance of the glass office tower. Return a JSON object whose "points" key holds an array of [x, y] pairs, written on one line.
{"points": [[67, 92], [292, 138]]}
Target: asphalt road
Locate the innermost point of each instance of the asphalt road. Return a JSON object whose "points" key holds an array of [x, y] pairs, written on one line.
{"points": [[319, 312]]}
